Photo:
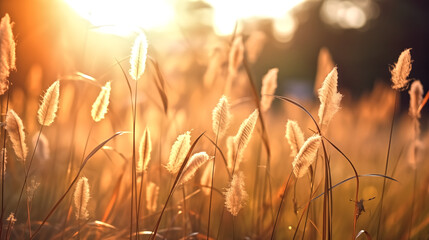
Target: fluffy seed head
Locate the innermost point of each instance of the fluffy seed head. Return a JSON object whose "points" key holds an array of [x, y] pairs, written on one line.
{"points": [[401, 70], [49, 106], [329, 98], [306, 156], [294, 136], [221, 117], [236, 196], [7, 52], [138, 57], [81, 198], [99, 108], [416, 98], [144, 151], [152, 192], [178, 152], [246, 130], [269, 85], [15, 129], [194, 163]]}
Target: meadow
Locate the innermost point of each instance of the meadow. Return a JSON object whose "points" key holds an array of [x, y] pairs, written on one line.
{"points": [[192, 145]]}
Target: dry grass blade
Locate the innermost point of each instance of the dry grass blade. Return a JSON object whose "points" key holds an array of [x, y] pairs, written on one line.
{"points": [[222, 155], [161, 85], [78, 76], [367, 235], [425, 100]]}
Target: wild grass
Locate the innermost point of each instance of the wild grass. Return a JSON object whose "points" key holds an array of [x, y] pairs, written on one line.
{"points": [[182, 154]]}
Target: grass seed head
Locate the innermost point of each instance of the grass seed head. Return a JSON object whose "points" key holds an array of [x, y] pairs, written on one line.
{"points": [[236, 196], [81, 198], [16, 132], [416, 98], [306, 156], [138, 57], [7, 52], [178, 152], [269, 85], [245, 132], [101, 104], [294, 136], [194, 163], [221, 117], [329, 98], [49, 106], [401, 71], [145, 149]]}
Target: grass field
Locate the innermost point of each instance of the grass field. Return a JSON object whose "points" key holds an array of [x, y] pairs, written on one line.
{"points": [[192, 145]]}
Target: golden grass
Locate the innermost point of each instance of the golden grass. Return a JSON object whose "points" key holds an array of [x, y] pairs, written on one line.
{"points": [[258, 180]]}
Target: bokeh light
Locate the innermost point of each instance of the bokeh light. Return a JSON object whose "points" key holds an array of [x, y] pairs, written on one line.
{"points": [[349, 14]]}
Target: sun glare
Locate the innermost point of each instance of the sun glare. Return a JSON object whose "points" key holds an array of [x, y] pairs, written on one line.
{"points": [[124, 17], [226, 12]]}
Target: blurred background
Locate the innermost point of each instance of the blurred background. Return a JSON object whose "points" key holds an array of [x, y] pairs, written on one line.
{"points": [[364, 37]]}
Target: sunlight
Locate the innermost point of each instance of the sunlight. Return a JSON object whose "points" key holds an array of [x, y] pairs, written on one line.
{"points": [[127, 16], [124, 17], [226, 12]]}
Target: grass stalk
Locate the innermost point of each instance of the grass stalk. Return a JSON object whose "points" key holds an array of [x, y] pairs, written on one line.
{"points": [[379, 232], [3, 158], [280, 206], [413, 203], [211, 184]]}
